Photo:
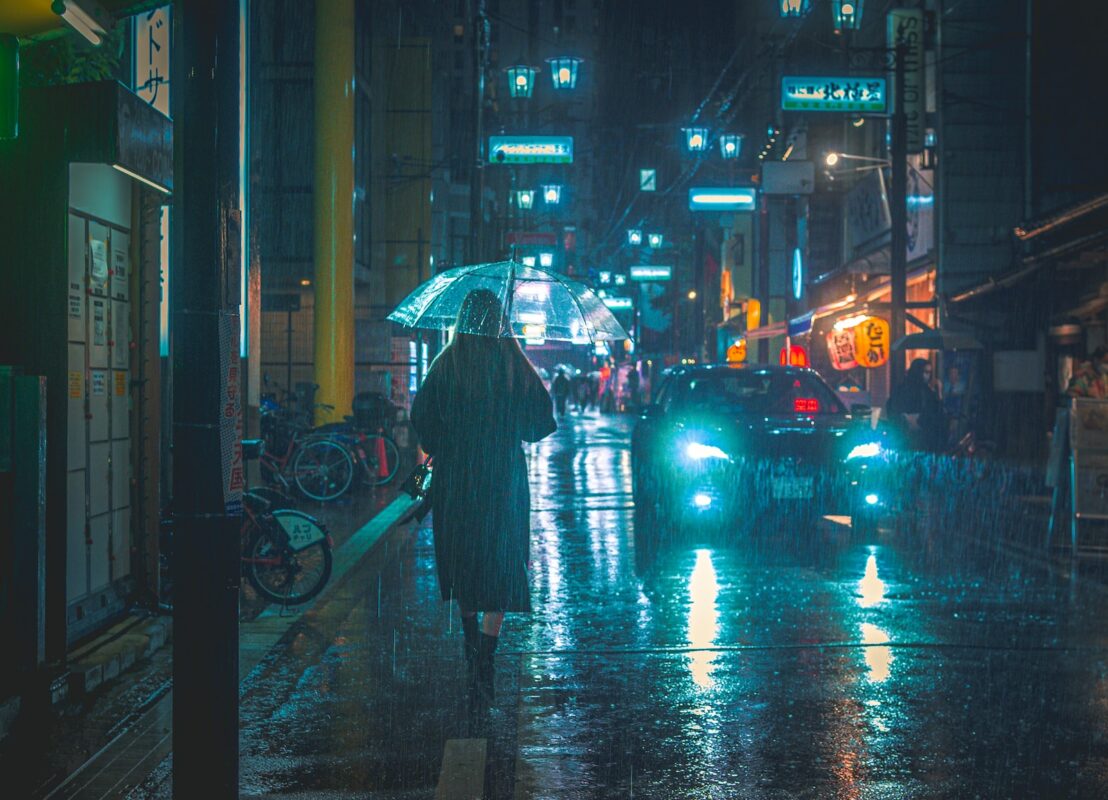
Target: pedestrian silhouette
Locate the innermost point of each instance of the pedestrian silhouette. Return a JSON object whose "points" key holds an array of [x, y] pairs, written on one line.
{"points": [[480, 400]]}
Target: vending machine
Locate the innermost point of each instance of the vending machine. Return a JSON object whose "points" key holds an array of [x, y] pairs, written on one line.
{"points": [[90, 162]]}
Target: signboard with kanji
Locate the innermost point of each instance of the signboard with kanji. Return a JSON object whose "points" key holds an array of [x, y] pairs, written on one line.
{"points": [[151, 57], [530, 149], [871, 342], [840, 346], [832, 93]]}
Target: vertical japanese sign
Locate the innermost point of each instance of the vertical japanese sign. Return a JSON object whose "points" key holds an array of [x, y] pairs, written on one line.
{"points": [[151, 49], [871, 342], [905, 26]]}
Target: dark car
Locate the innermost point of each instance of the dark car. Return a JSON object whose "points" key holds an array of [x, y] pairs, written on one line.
{"points": [[735, 446]]}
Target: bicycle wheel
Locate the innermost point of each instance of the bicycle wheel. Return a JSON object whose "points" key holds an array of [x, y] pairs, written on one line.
{"points": [[281, 574], [376, 474], [323, 469]]}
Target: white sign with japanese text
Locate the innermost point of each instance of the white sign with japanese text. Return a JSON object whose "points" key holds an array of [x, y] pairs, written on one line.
{"points": [[151, 49]]}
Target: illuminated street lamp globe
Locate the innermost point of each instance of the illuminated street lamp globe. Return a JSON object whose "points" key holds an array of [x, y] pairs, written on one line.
{"points": [[730, 145], [654, 240], [521, 80], [847, 14], [563, 71], [794, 8], [525, 198], [696, 139], [552, 193], [634, 237]]}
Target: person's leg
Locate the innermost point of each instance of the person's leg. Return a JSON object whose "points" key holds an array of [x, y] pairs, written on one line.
{"points": [[471, 631], [491, 622]]}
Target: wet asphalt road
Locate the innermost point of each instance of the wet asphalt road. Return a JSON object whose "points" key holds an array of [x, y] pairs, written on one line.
{"points": [[797, 663]]}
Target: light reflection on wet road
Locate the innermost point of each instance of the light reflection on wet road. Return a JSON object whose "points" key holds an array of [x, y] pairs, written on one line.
{"points": [[793, 664]]}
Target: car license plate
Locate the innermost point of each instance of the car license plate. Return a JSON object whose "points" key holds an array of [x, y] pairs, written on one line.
{"points": [[792, 488]]}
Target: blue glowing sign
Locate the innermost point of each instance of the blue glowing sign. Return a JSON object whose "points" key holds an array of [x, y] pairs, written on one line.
{"points": [[651, 272], [530, 149], [827, 93], [722, 199], [798, 273], [618, 303]]}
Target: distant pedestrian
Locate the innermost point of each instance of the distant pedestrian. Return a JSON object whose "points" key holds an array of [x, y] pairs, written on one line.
{"points": [[916, 407], [560, 389], [633, 388], [480, 400]]}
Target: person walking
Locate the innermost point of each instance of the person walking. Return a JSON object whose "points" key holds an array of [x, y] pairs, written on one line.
{"points": [[560, 389], [480, 400]]}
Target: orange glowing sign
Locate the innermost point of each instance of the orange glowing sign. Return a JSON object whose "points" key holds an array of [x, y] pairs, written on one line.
{"points": [[736, 353], [794, 356], [871, 342]]}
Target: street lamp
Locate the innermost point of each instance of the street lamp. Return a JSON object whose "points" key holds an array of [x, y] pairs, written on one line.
{"points": [[563, 71], [605, 277], [521, 80], [634, 237], [833, 158], [546, 260], [847, 14], [794, 8], [696, 139], [692, 294], [552, 193], [525, 198], [654, 240], [730, 145]]}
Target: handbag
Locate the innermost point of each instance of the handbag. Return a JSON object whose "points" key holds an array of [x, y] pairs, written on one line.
{"points": [[418, 486]]}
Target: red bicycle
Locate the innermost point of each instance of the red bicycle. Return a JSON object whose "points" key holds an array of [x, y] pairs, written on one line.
{"points": [[286, 554]]}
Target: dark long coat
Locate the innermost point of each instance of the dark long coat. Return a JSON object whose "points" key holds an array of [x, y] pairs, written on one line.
{"points": [[480, 501]]}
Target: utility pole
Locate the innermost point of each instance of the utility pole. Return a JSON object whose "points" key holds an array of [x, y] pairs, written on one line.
{"points": [[477, 175], [898, 213], [207, 428]]}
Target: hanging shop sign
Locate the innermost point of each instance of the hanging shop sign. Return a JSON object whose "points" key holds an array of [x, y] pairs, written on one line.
{"points": [[871, 342], [833, 93], [840, 346], [651, 272], [150, 50], [794, 356], [736, 353], [530, 149], [905, 27]]}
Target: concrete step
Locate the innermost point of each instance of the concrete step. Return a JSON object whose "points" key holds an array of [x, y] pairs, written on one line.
{"points": [[115, 651]]}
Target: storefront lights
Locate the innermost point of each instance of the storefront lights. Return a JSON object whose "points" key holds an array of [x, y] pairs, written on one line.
{"points": [[696, 139], [563, 71], [546, 259], [730, 145], [654, 240], [552, 193], [634, 237], [525, 198], [794, 8], [847, 14], [521, 80], [87, 17], [528, 261]]}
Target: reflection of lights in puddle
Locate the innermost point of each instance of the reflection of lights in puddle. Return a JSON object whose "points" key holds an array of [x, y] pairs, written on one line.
{"points": [[871, 588], [703, 618], [877, 658]]}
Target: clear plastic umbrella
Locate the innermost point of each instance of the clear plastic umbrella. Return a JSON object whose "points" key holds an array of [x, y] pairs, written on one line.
{"points": [[537, 304]]}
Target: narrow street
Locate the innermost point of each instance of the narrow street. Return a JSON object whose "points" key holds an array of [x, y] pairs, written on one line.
{"points": [[796, 664]]}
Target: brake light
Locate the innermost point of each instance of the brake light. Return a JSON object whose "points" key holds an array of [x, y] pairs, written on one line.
{"points": [[806, 405]]}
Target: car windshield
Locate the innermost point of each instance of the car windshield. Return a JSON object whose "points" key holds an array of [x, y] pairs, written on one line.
{"points": [[757, 392]]}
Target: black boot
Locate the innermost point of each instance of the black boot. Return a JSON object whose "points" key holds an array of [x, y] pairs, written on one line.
{"points": [[485, 679], [472, 638]]}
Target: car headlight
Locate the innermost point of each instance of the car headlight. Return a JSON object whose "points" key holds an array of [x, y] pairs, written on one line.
{"points": [[698, 452], [867, 450]]}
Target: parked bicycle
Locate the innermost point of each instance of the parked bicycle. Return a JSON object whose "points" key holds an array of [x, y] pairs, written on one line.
{"points": [[320, 467]]}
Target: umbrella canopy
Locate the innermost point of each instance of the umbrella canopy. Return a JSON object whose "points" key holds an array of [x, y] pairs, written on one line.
{"points": [[537, 304], [937, 339]]}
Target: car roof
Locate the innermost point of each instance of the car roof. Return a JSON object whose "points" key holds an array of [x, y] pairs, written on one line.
{"points": [[705, 369]]}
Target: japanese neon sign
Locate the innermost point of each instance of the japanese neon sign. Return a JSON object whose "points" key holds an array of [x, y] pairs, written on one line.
{"points": [[650, 272], [833, 93], [530, 149]]}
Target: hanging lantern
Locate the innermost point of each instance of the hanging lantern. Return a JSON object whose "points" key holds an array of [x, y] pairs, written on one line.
{"points": [[794, 8], [847, 14], [563, 71], [730, 145], [521, 80], [654, 240], [552, 193], [525, 198], [696, 139], [634, 237]]}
